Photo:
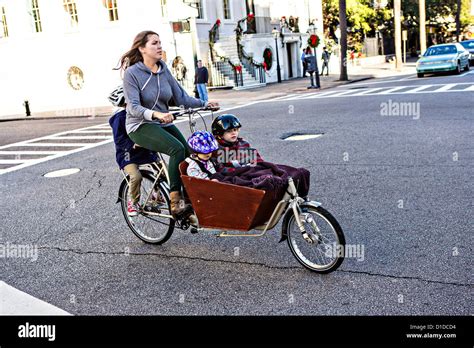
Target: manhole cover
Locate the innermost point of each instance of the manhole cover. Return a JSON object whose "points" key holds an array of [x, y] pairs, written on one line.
{"points": [[360, 87], [300, 136], [62, 172]]}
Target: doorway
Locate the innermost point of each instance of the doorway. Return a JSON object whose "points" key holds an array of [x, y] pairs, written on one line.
{"points": [[289, 55]]}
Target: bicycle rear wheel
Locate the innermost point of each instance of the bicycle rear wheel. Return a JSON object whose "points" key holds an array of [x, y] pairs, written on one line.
{"points": [[154, 223]]}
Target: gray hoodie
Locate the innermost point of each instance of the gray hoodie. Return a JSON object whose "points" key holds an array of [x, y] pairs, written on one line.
{"points": [[146, 92]]}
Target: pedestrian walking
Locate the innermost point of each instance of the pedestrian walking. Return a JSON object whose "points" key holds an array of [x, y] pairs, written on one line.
{"points": [[325, 57], [303, 61], [200, 80]]}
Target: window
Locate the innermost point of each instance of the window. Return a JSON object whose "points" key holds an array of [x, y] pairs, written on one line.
{"points": [[164, 12], [4, 32], [71, 10], [200, 9], [36, 16], [226, 7], [112, 8]]}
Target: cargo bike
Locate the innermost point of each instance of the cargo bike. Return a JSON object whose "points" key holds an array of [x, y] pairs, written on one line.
{"points": [[312, 233]]}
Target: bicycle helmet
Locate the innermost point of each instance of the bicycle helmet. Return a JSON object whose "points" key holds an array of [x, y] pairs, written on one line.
{"points": [[202, 142], [117, 98], [223, 123]]}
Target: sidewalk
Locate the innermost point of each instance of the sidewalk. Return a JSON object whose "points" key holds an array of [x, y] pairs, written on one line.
{"points": [[230, 98]]}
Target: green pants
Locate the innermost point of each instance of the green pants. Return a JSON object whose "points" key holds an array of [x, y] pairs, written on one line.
{"points": [[167, 140]]}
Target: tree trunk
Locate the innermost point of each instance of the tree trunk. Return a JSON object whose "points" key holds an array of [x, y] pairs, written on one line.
{"points": [[343, 39]]}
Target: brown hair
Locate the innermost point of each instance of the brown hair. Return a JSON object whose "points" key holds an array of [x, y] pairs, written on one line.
{"points": [[134, 55]]}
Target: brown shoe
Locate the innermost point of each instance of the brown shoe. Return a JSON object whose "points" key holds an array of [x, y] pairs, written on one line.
{"points": [[178, 207]]}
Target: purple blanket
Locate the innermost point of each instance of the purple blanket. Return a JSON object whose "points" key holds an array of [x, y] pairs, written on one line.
{"points": [[269, 177]]}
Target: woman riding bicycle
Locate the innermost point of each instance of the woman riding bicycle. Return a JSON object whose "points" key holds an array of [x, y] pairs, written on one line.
{"points": [[149, 86]]}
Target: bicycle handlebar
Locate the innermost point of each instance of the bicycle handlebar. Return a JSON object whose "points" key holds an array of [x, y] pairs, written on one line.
{"points": [[192, 110]]}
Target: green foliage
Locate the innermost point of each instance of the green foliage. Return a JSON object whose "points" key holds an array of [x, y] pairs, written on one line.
{"points": [[364, 20]]}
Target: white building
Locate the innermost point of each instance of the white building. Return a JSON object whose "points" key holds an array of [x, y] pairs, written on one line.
{"points": [[60, 54]]}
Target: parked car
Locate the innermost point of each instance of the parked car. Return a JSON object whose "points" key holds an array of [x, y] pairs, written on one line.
{"points": [[469, 46], [444, 57]]}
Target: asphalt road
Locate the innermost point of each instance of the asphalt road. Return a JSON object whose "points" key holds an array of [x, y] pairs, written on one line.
{"points": [[398, 185]]}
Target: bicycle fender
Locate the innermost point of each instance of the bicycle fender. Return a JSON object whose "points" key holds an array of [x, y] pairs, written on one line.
{"points": [[289, 214], [122, 184]]}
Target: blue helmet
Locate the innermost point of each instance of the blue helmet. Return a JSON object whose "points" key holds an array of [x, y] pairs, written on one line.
{"points": [[202, 142]]}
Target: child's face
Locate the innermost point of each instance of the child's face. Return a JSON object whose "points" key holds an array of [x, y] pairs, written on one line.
{"points": [[231, 135], [204, 156]]}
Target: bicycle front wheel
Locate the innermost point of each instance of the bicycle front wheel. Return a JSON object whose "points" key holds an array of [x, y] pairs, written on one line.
{"points": [[322, 250], [154, 223]]}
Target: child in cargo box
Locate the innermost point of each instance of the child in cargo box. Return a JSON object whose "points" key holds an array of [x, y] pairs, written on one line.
{"points": [[203, 144], [235, 154]]}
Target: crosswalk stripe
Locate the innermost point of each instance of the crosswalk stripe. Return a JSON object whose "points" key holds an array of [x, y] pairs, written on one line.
{"points": [[369, 91], [284, 96], [50, 144], [17, 302], [341, 93], [319, 94], [380, 91], [445, 87], [15, 161], [78, 137], [92, 131], [391, 90], [29, 152], [419, 88]]}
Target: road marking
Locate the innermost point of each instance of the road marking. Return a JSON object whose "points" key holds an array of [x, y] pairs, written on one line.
{"points": [[285, 96], [393, 89], [471, 88], [17, 302], [66, 135], [369, 90], [93, 131], [50, 144], [15, 161], [13, 152], [386, 90], [48, 141], [340, 93], [79, 137], [445, 87], [408, 78], [419, 88]]}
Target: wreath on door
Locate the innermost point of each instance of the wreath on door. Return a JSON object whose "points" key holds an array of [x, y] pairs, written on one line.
{"points": [[268, 58]]}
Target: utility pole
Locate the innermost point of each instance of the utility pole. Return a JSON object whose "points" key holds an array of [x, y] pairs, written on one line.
{"points": [[422, 26], [343, 39], [398, 35]]}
